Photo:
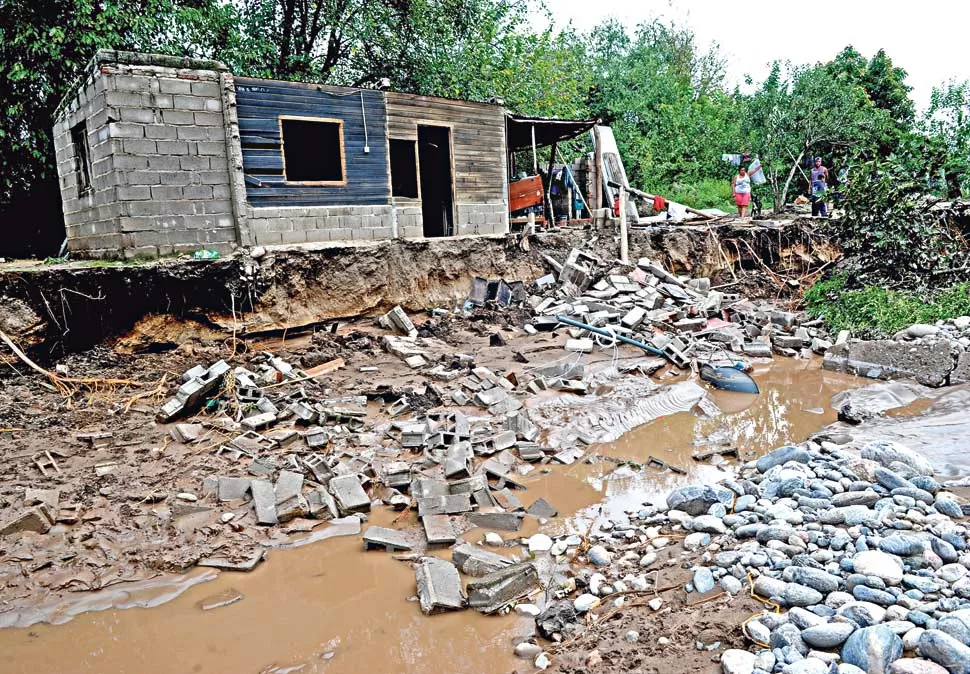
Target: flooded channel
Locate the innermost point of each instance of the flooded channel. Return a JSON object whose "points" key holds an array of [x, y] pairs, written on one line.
{"points": [[330, 607]]}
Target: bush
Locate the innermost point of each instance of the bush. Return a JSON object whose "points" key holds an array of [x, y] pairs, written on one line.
{"points": [[705, 193], [874, 311]]}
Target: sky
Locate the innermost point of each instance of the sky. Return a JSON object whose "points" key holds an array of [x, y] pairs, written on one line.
{"points": [[929, 38]]}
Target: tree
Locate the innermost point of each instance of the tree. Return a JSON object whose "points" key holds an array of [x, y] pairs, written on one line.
{"points": [[802, 113], [664, 99], [946, 125]]}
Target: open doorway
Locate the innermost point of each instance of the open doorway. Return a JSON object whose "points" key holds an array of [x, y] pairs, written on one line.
{"points": [[434, 158]]}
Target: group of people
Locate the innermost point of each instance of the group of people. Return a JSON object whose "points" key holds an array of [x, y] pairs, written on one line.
{"points": [[741, 187]]}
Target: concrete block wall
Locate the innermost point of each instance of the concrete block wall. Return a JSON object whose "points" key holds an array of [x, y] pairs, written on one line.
{"points": [[481, 219], [90, 215], [316, 224], [157, 123]]}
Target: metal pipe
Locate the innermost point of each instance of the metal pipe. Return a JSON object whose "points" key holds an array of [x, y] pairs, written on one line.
{"points": [[606, 333]]}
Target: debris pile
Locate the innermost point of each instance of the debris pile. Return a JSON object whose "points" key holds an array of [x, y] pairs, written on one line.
{"points": [[684, 318], [863, 555]]}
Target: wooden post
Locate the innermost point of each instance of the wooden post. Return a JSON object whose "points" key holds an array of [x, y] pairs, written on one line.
{"points": [[597, 169], [551, 219], [535, 156], [624, 241]]}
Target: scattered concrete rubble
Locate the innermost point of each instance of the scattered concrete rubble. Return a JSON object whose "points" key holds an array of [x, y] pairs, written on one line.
{"points": [[933, 355], [866, 555]]}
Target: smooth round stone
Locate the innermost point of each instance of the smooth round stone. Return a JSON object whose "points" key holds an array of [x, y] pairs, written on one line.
{"points": [[527, 609], [838, 599], [957, 625], [631, 637], [492, 538], [696, 541], [743, 503], [807, 666], [558, 548], [951, 573], [703, 580], [730, 584], [758, 631], [648, 559], [948, 507], [911, 638], [585, 602], [944, 550], [540, 543], [863, 614], [829, 635], [872, 648], [803, 619], [736, 661], [915, 666], [599, 555], [945, 651], [879, 564], [527, 651], [814, 578], [801, 595], [708, 524], [901, 545], [865, 593]]}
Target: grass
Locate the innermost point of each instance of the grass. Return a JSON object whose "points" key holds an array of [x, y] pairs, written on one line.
{"points": [[706, 193], [875, 311]]}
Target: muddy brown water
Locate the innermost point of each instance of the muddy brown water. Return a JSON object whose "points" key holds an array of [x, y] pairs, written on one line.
{"points": [[330, 607]]}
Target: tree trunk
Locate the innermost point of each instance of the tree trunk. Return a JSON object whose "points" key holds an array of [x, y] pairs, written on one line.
{"points": [[791, 175]]}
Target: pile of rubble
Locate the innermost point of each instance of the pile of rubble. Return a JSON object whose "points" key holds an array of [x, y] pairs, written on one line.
{"points": [[685, 318], [864, 551], [933, 355]]}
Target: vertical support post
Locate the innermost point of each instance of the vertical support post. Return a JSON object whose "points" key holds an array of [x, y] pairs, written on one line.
{"points": [[597, 169], [624, 240], [535, 156], [551, 219], [531, 226]]}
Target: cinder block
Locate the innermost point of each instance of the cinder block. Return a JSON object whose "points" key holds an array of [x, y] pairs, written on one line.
{"points": [[168, 85], [193, 103], [138, 115], [213, 177], [197, 192], [295, 236], [217, 206], [139, 146], [209, 119], [129, 99], [268, 238], [166, 192], [126, 130], [210, 133], [135, 192], [177, 147], [341, 234], [161, 131], [213, 148], [208, 89], [176, 178], [142, 177], [193, 162], [163, 101], [164, 163]]}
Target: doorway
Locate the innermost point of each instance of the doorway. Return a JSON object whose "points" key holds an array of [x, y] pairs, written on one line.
{"points": [[434, 159]]}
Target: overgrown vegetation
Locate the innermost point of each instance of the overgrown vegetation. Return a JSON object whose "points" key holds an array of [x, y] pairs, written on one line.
{"points": [[873, 311]]}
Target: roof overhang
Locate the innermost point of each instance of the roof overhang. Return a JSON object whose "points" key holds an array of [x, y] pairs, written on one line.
{"points": [[519, 129]]}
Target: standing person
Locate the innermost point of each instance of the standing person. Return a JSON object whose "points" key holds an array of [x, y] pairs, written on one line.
{"points": [[741, 186], [818, 197], [819, 171]]}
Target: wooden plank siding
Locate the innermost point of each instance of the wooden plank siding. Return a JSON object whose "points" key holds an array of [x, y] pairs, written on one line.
{"points": [[477, 141], [260, 103]]}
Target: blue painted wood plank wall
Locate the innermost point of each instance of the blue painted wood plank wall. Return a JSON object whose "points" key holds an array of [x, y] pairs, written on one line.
{"points": [[260, 104]]}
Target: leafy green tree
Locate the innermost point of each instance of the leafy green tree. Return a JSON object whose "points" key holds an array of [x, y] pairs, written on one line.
{"points": [[946, 152]]}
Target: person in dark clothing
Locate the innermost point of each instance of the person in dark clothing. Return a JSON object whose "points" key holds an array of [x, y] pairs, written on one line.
{"points": [[818, 197]]}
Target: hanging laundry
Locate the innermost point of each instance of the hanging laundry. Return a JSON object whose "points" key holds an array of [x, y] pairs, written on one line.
{"points": [[732, 159], [659, 204]]}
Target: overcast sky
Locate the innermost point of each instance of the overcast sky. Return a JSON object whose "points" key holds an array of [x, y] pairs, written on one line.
{"points": [[928, 38]]}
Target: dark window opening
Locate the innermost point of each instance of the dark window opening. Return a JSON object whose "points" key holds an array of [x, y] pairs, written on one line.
{"points": [[82, 157], [312, 151], [404, 169]]}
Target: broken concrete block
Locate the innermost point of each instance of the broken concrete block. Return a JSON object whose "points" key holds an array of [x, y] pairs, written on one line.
{"points": [[36, 519], [186, 433], [350, 494], [633, 317], [456, 463], [530, 451], [474, 561], [507, 500], [438, 530], [321, 505], [391, 540], [317, 465], [504, 440], [258, 421], [264, 501], [496, 518], [582, 345], [499, 588], [928, 364], [450, 504], [289, 496], [398, 321], [439, 586], [304, 413], [490, 397], [787, 342], [541, 508], [415, 361], [233, 488], [757, 349], [426, 487]]}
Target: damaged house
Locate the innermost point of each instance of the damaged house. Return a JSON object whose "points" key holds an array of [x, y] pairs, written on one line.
{"points": [[159, 155]]}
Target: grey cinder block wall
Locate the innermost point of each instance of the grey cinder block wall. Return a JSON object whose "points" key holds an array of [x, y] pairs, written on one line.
{"points": [[160, 155]]}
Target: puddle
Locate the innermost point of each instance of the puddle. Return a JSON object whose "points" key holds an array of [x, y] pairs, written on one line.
{"points": [[330, 607]]}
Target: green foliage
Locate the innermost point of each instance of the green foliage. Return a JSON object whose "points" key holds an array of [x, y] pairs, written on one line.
{"points": [[888, 229], [873, 311], [704, 193], [946, 130]]}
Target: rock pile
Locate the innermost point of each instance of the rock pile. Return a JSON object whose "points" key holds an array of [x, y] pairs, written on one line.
{"points": [[864, 555]]}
